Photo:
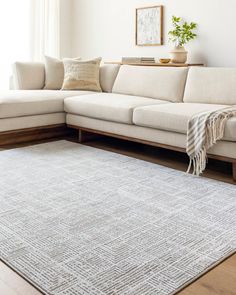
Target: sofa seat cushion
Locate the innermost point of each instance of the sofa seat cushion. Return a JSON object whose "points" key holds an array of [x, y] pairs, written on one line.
{"points": [[108, 106], [18, 103], [175, 117]]}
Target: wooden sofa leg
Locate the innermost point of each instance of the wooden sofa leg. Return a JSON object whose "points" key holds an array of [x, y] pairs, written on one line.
{"points": [[234, 170], [84, 136]]}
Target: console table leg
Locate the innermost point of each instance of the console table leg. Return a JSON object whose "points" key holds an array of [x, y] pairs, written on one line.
{"points": [[234, 170]]}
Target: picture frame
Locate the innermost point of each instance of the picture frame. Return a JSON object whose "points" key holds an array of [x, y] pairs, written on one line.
{"points": [[149, 26]]}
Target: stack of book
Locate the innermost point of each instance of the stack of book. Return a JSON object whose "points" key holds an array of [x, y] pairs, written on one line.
{"points": [[138, 60], [148, 59]]}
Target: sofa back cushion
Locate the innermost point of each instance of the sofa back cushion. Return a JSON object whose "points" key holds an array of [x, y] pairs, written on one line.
{"points": [[211, 85], [108, 74], [164, 83], [28, 75]]}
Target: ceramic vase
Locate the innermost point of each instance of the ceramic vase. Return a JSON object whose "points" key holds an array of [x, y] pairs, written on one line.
{"points": [[178, 54]]}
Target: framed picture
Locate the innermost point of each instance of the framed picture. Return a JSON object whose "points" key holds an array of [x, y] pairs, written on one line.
{"points": [[149, 26]]}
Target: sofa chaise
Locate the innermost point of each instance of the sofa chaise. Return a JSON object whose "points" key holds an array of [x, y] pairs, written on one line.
{"points": [[145, 104]]}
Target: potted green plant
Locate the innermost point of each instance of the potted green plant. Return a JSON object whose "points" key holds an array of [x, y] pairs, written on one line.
{"points": [[181, 34]]}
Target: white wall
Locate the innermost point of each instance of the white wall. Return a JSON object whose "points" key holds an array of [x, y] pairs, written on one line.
{"points": [[107, 28]]}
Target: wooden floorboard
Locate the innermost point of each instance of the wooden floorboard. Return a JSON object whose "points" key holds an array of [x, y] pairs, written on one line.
{"points": [[217, 170], [12, 284], [219, 281]]}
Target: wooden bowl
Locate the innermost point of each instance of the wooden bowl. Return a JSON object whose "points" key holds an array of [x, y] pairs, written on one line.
{"points": [[164, 60]]}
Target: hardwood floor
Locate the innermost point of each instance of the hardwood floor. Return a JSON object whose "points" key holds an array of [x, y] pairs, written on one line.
{"points": [[219, 281], [12, 284], [217, 170]]}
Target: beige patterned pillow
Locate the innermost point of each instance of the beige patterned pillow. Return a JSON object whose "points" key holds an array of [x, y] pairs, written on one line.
{"points": [[81, 75]]}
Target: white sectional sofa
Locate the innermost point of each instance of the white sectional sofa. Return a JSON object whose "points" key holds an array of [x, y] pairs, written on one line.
{"points": [[144, 104]]}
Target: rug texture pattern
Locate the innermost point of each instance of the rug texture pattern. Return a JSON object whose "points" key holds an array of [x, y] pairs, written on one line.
{"points": [[77, 220]]}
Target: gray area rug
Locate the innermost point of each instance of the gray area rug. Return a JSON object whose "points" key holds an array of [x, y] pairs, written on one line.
{"points": [[78, 220]]}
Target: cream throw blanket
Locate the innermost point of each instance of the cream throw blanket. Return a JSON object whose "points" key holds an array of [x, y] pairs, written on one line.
{"points": [[204, 129]]}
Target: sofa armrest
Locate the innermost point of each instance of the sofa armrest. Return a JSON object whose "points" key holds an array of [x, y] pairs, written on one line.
{"points": [[28, 75]]}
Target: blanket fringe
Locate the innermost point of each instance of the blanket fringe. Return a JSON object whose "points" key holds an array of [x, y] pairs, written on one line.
{"points": [[214, 130], [198, 162]]}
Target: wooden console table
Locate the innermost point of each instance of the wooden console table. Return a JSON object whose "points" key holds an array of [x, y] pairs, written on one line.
{"points": [[155, 64]]}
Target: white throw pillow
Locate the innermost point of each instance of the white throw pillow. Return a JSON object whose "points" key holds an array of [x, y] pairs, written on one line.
{"points": [[54, 73], [82, 75]]}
